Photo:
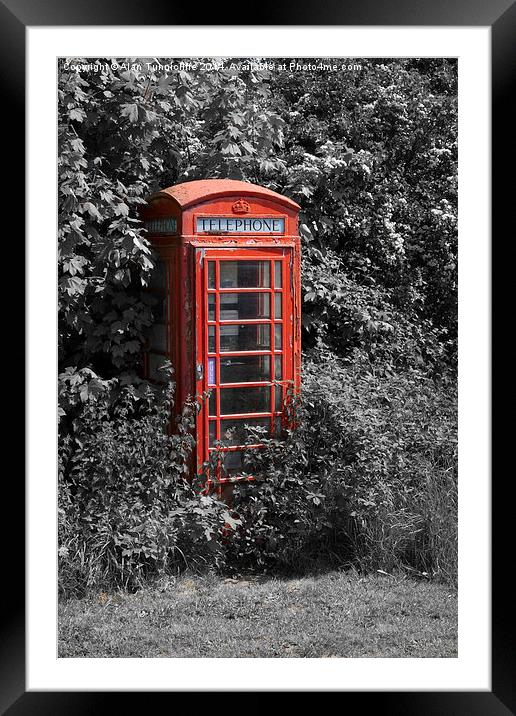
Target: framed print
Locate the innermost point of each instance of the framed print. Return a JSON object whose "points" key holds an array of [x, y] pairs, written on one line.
{"points": [[245, 356]]}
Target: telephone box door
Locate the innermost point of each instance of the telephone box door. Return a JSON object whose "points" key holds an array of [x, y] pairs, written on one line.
{"points": [[244, 347]]}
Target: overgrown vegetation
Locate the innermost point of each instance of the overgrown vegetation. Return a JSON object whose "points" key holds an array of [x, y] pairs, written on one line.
{"points": [[127, 508], [369, 476]]}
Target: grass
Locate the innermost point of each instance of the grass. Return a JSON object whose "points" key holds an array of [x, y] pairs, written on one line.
{"points": [[335, 615]]}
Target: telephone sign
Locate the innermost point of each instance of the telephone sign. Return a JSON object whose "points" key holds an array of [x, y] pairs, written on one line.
{"points": [[249, 225]]}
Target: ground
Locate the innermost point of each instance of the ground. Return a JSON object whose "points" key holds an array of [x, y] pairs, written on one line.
{"points": [[334, 615]]}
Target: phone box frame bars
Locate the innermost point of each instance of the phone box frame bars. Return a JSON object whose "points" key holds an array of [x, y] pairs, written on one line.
{"points": [[228, 317]]}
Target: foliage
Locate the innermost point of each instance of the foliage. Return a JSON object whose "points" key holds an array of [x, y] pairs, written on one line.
{"points": [[369, 476], [371, 157], [122, 134], [127, 511], [372, 161]]}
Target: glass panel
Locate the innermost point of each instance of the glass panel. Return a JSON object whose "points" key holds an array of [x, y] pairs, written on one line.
{"points": [[233, 432], [155, 363], [160, 308], [277, 426], [278, 334], [211, 371], [212, 404], [245, 369], [277, 274], [245, 274], [211, 339], [277, 305], [278, 373], [158, 278], [232, 461], [158, 337], [211, 307], [278, 402], [211, 274], [255, 337], [237, 306], [213, 431], [244, 400]]}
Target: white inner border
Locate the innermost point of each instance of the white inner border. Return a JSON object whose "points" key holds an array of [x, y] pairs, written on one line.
{"points": [[471, 670]]}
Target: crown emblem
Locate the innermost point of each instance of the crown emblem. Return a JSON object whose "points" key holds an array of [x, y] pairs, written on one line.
{"points": [[240, 207]]}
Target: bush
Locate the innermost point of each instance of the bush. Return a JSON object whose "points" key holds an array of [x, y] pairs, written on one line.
{"points": [[367, 478], [127, 511]]}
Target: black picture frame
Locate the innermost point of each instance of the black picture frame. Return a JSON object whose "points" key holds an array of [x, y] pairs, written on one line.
{"points": [[500, 16]]}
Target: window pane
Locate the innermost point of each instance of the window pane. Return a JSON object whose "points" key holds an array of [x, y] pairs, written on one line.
{"points": [[244, 274], [212, 404], [245, 369], [232, 462], [277, 274], [278, 399], [211, 274], [233, 432], [277, 305], [236, 306], [278, 373], [211, 307], [155, 363], [160, 308], [158, 278], [211, 339], [278, 334], [244, 400], [158, 337], [245, 338], [213, 431]]}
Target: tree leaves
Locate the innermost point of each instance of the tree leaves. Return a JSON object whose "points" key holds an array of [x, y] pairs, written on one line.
{"points": [[92, 210], [130, 111], [77, 114], [121, 209], [371, 160]]}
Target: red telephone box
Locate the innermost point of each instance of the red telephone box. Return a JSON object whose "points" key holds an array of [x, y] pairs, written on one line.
{"points": [[228, 311]]}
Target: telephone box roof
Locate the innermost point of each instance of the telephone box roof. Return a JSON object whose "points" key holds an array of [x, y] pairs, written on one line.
{"points": [[194, 192]]}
